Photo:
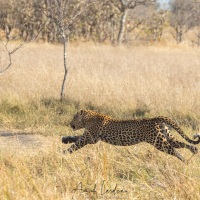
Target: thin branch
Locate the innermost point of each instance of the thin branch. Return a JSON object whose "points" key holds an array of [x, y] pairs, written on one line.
{"points": [[10, 53], [131, 4], [136, 25], [79, 13]]}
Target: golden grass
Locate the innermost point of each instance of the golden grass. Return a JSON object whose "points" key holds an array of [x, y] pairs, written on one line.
{"points": [[162, 78], [123, 82], [138, 172]]}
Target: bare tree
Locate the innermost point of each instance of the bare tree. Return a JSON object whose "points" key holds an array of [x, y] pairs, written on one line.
{"points": [[63, 14], [138, 22], [197, 18], [108, 20], [183, 17], [155, 25], [125, 6]]}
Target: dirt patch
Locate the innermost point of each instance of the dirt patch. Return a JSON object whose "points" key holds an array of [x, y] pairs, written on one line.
{"points": [[23, 142]]}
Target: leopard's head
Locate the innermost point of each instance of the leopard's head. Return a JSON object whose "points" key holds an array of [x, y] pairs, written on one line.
{"points": [[85, 119], [77, 121]]}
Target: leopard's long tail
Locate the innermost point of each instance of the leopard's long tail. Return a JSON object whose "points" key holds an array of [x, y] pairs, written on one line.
{"points": [[174, 125]]}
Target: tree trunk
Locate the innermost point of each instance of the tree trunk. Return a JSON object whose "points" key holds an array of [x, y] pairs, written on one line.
{"points": [[62, 93], [122, 26], [179, 35]]}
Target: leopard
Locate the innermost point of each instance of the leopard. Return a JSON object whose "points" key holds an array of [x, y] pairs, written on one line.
{"points": [[127, 132]]}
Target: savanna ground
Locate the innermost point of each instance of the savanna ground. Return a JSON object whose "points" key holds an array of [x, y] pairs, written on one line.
{"points": [[124, 82]]}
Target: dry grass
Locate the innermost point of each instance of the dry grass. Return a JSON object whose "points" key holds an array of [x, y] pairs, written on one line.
{"points": [[162, 78], [139, 173], [123, 82]]}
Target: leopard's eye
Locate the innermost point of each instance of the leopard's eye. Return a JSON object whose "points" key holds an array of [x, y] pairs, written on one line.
{"points": [[81, 112]]}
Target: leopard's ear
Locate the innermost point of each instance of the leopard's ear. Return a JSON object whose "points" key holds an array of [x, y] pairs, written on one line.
{"points": [[81, 112]]}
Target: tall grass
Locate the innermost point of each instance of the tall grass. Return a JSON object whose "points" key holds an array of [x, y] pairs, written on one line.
{"points": [[161, 78], [124, 82]]}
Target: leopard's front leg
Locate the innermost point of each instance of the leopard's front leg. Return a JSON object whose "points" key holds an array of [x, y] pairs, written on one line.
{"points": [[69, 139], [81, 141]]}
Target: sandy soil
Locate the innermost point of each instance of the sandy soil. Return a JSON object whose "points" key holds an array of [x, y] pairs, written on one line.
{"points": [[23, 142]]}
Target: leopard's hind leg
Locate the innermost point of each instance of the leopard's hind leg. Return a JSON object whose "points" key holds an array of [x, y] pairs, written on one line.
{"points": [[160, 142], [175, 143]]}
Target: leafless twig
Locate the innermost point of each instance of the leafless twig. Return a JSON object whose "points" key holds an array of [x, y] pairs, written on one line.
{"points": [[80, 12], [11, 52]]}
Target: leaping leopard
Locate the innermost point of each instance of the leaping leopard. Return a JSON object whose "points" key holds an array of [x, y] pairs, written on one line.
{"points": [[127, 132]]}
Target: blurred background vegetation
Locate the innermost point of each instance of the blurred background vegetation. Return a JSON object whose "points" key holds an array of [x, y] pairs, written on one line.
{"points": [[105, 21]]}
